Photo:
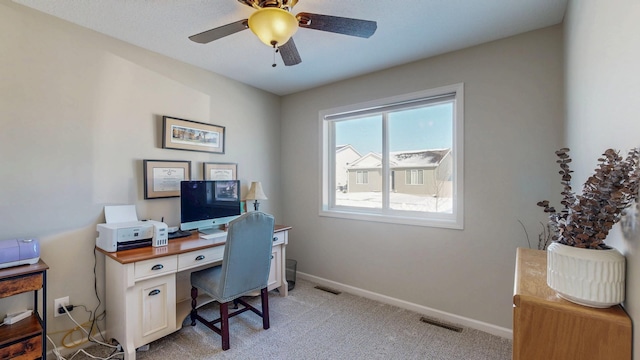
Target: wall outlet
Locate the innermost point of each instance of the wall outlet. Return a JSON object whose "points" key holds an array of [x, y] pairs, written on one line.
{"points": [[59, 302]]}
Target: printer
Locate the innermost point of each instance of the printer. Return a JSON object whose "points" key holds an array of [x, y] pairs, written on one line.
{"points": [[16, 252], [131, 235]]}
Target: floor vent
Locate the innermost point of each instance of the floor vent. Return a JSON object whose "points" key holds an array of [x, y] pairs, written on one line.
{"points": [[441, 324], [329, 290]]}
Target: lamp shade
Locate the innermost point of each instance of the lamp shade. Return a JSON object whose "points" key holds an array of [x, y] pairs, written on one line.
{"points": [[255, 192], [273, 26]]}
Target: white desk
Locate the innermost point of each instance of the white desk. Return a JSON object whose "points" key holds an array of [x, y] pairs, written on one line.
{"points": [[148, 289]]}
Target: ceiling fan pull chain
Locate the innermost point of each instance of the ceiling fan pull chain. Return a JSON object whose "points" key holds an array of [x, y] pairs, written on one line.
{"points": [[275, 51]]}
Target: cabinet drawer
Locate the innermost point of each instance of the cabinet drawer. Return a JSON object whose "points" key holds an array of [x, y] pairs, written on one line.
{"points": [[153, 267], [25, 350], [279, 237], [19, 285], [200, 257]]}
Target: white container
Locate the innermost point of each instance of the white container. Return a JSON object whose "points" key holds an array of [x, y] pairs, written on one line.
{"points": [[588, 277]]}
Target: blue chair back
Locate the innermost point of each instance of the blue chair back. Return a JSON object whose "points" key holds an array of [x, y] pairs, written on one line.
{"points": [[247, 255]]}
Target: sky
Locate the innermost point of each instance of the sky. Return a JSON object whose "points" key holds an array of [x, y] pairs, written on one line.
{"points": [[414, 129]]}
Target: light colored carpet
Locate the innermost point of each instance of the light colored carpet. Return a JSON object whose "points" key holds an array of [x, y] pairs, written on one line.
{"points": [[314, 324]]}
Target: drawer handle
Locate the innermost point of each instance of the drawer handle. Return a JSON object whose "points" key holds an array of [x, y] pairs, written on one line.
{"points": [[157, 267], [154, 292], [272, 256], [199, 257], [275, 238]]}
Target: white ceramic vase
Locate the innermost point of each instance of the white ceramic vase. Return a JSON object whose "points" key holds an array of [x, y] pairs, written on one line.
{"points": [[589, 277]]}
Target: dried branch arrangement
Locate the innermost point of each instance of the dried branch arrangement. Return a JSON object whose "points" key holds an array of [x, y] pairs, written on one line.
{"points": [[544, 237], [586, 219]]}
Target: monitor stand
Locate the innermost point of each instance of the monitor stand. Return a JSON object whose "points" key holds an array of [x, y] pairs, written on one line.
{"points": [[213, 233]]}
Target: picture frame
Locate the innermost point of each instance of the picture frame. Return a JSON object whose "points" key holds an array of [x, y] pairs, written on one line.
{"points": [[162, 177], [220, 171], [182, 134]]}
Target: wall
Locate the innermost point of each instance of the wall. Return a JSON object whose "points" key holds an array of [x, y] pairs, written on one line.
{"points": [[602, 83], [79, 113], [513, 124]]}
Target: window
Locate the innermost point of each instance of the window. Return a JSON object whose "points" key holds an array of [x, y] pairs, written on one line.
{"points": [[396, 160], [362, 177], [415, 177]]}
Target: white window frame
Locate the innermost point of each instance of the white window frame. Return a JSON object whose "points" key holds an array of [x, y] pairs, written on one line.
{"points": [[386, 215]]}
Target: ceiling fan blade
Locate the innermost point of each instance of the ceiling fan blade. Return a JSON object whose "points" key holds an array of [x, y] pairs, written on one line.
{"points": [[289, 53], [336, 24], [219, 32]]}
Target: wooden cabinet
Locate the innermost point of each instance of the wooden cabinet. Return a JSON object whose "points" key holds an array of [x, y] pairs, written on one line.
{"points": [[548, 327], [25, 339]]}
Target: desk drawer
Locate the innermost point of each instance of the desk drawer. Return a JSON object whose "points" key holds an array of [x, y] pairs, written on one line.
{"points": [[153, 267], [200, 257], [279, 237]]}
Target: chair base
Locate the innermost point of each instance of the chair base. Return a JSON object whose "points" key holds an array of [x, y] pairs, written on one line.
{"points": [[223, 330]]}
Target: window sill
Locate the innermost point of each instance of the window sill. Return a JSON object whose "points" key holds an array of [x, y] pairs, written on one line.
{"points": [[446, 221]]}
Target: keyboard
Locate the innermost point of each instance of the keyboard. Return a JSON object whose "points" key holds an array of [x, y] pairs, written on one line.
{"points": [[179, 234], [216, 236]]}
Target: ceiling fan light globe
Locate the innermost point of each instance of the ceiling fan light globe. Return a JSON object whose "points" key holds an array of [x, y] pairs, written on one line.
{"points": [[273, 25]]}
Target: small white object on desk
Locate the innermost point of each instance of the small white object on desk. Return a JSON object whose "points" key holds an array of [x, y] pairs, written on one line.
{"points": [[217, 236]]}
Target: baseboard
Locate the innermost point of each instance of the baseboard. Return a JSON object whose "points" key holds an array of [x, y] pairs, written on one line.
{"points": [[441, 315]]}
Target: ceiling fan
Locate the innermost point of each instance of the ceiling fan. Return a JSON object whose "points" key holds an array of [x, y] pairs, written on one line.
{"points": [[274, 24]]}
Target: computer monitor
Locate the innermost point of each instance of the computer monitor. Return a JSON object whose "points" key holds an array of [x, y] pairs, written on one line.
{"points": [[207, 204]]}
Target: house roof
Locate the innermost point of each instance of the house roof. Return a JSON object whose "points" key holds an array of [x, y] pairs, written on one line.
{"points": [[418, 158], [369, 161], [340, 148], [403, 159]]}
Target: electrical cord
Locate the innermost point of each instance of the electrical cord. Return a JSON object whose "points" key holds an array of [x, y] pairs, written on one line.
{"points": [[56, 352], [94, 319], [89, 337], [59, 356], [76, 329], [95, 289]]}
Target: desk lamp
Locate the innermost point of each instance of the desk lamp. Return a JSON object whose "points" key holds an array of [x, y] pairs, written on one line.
{"points": [[256, 193]]}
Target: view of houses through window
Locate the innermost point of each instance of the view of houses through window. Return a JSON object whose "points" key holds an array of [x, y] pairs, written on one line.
{"points": [[397, 159]]}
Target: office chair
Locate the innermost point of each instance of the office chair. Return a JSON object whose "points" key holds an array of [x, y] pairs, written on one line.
{"points": [[244, 269]]}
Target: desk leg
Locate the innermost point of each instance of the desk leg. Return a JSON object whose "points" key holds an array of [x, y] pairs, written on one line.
{"points": [[284, 288], [129, 351], [44, 313]]}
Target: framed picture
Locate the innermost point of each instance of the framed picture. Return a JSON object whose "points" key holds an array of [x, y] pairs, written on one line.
{"points": [[191, 135], [220, 171], [162, 177]]}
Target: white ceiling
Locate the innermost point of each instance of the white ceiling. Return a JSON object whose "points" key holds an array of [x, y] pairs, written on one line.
{"points": [[408, 30]]}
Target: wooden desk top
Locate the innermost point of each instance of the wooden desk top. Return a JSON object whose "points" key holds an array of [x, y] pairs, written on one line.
{"points": [[531, 286], [175, 247]]}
